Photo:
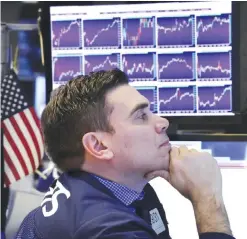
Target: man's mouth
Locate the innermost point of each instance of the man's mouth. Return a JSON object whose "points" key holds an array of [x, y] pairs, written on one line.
{"points": [[166, 143]]}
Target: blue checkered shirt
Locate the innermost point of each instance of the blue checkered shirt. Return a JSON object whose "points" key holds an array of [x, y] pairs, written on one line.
{"points": [[121, 192]]}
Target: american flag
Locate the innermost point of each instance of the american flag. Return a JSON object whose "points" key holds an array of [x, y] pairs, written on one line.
{"points": [[22, 143]]}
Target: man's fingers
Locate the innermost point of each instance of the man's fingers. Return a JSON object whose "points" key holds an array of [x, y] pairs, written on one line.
{"points": [[174, 153], [160, 173], [193, 151], [183, 150]]}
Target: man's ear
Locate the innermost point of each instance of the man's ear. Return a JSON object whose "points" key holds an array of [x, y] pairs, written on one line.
{"points": [[93, 144]]}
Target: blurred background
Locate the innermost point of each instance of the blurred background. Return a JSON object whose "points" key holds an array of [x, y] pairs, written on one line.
{"points": [[25, 48]]}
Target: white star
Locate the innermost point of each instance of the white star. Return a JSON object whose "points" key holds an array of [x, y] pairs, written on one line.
{"points": [[25, 104], [18, 90], [14, 83], [18, 107]]}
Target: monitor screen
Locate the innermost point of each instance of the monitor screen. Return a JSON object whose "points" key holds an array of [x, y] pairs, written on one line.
{"points": [[178, 55], [229, 154]]}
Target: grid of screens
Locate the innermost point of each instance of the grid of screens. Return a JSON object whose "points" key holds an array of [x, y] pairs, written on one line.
{"points": [[178, 55]]}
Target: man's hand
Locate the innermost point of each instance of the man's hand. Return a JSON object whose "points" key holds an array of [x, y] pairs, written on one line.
{"points": [[196, 175]]}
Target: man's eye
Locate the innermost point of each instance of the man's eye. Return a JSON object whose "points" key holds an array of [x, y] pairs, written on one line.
{"points": [[143, 116]]}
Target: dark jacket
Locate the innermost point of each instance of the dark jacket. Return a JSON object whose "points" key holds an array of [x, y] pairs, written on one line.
{"points": [[78, 206]]}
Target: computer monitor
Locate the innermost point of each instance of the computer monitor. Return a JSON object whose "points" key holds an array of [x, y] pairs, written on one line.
{"points": [[229, 150], [179, 55]]}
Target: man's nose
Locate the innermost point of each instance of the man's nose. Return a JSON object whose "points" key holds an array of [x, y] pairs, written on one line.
{"points": [[161, 125]]}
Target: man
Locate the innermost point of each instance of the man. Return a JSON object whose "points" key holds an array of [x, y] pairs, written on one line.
{"points": [[100, 132]]}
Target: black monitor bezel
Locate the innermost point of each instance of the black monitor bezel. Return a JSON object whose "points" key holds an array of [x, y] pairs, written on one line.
{"points": [[209, 137]]}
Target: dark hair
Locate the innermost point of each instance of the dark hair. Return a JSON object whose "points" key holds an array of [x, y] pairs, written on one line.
{"points": [[75, 109]]}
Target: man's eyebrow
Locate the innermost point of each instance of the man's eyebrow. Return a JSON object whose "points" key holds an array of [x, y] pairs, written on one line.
{"points": [[138, 107]]}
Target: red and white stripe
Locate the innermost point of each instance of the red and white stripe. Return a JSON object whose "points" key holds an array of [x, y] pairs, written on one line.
{"points": [[22, 144]]}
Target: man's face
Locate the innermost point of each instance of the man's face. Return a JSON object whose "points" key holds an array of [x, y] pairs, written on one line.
{"points": [[139, 134]]}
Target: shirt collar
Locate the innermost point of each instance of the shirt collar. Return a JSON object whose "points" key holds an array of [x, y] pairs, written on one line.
{"points": [[123, 193]]}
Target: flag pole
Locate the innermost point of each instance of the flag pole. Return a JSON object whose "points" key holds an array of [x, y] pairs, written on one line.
{"points": [[43, 176]]}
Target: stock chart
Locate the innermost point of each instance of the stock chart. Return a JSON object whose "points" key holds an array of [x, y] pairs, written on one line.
{"points": [[66, 68], [176, 31], [102, 33], [101, 62], [66, 34], [179, 58], [176, 67], [214, 98], [214, 66], [213, 30], [180, 99], [138, 32], [139, 66]]}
